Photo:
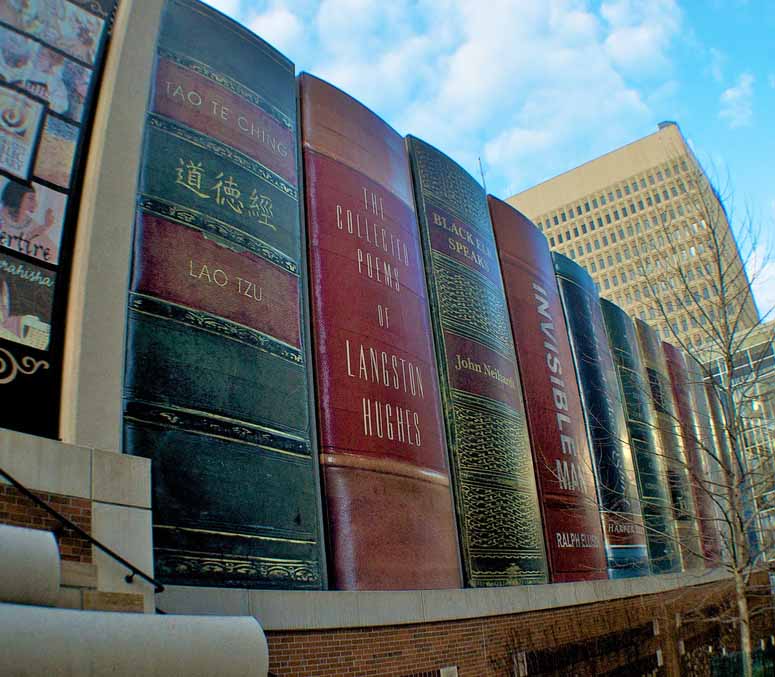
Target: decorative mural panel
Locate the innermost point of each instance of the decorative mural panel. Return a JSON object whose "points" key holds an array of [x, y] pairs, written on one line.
{"points": [[217, 388], [51, 54]]}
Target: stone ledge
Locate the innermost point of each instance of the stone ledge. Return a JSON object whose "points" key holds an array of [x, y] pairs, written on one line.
{"points": [[313, 610], [46, 465]]}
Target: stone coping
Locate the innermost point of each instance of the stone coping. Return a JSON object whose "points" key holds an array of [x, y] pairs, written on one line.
{"points": [[120, 482], [42, 464], [316, 610]]}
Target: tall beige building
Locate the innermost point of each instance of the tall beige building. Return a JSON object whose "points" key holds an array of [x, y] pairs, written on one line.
{"points": [[647, 225]]}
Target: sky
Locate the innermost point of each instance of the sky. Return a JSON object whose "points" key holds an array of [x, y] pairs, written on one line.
{"points": [[536, 87]]}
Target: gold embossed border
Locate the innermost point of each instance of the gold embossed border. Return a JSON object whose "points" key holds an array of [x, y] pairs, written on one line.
{"points": [[227, 233], [234, 86], [217, 426], [199, 319], [471, 307], [174, 566]]}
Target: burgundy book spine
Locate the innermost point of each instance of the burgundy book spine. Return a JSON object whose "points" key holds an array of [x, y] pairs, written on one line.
{"points": [[561, 455], [669, 429], [698, 473], [383, 455], [710, 451], [175, 263]]}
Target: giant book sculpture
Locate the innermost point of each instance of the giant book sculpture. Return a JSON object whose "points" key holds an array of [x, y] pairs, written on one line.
{"points": [[386, 484], [217, 371], [617, 491], [711, 453], [695, 454], [566, 481], [647, 451], [494, 483], [669, 430]]}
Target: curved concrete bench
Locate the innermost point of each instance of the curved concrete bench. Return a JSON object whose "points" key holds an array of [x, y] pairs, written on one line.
{"points": [[29, 566], [38, 641]]}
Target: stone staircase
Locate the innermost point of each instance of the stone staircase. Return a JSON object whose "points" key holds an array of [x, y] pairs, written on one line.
{"points": [[78, 590], [54, 621]]}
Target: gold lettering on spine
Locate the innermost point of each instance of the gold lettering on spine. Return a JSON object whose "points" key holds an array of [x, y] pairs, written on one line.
{"points": [[386, 420], [469, 364], [385, 369], [245, 125], [212, 275], [463, 242]]}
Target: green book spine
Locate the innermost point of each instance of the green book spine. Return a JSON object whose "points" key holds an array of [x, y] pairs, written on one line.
{"points": [[647, 452], [668, 428], [217, 388], [492, 468]]}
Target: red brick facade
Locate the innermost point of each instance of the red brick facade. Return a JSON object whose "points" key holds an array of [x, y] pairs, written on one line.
{"points": [[18, 510], [617, 638], [608, 638]]}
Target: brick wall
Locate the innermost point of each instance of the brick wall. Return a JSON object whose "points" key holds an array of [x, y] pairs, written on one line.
{"points": [[609, 638], [18, 510]]}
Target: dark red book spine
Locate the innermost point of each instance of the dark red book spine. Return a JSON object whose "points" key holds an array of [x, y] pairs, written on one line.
{"points": [[383, 454], [693, 445], [561, 456]]}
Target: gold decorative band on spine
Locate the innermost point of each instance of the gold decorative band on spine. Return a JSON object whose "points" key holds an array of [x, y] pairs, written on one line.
{"points": [[387, 466]]}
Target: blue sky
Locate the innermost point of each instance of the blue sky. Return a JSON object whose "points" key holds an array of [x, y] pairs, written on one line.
{"points": [[536, 87]]}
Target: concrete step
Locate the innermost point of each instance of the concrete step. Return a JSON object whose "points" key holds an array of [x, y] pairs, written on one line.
{"points": [[78, 575], [127, 602]]}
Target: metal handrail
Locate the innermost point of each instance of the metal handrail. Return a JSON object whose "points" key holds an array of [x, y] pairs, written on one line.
{"points": [[129, 578]]}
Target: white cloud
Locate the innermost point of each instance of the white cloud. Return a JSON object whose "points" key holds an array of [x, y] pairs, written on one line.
{"points": [[737, 102], [717, 61], [640, 34], [531, 87], [228, 7], [278, 26], [524, 82]]}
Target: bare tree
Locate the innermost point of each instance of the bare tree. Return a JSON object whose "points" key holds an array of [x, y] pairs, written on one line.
{"points": [[698, 278]]}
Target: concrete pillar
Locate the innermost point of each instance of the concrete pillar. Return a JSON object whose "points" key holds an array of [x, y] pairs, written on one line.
{"points": [[96, 322]]}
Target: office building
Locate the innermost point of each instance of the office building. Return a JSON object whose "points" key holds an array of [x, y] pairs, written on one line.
{"points": [[648, 226], [753, 381]]}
